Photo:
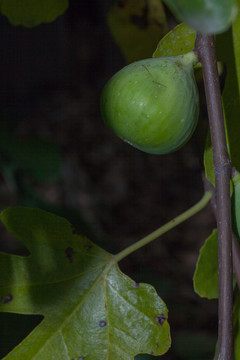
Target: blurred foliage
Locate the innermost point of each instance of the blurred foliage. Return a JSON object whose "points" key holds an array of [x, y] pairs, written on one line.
{"points": [[137, 26], [40, 158], [30, 13]]}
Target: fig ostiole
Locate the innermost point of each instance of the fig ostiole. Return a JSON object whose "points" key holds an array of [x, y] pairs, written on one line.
{"points": [[153, 104]]}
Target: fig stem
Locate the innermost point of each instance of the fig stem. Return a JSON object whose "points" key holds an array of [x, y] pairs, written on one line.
{"points": [[205, 50], [165, 228], [190, 58]]}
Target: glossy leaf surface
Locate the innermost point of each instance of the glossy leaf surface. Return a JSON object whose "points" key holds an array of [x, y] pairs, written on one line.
{"points": [[205, 278], [207, 16], [178, 41], [30, 13], [137, 26], [91, 309]]}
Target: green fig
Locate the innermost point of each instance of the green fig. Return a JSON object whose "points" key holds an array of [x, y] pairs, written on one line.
{"points": [[153, 104]]}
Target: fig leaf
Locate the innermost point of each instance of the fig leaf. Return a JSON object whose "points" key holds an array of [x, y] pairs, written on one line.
{"points": [[205, 279], [91, 309], [30, 13], [207, 16], [178, 41], [137, 26]]}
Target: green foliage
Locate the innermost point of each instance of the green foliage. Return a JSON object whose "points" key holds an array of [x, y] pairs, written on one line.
{"points": [[228, 51], [205, 278], [90, 308], [212, 16], [137, 26], [36, 156], [30, 13], [178, 41]]}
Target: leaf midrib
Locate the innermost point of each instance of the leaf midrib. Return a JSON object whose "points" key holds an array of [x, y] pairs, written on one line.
{"points": [[95, 283]]}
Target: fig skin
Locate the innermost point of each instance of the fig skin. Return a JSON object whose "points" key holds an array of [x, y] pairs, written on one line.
{"points": [[153, 104]]}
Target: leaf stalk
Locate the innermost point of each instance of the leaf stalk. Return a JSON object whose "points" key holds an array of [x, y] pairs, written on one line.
{"points": [[165, 228]]}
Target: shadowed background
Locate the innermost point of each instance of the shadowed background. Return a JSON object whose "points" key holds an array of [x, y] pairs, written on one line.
{"points": [[56, 154]]}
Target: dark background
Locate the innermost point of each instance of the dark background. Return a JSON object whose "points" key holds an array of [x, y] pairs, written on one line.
{"points": [[51, 79]]}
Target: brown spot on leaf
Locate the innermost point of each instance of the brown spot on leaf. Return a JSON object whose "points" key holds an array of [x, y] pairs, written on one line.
{"points": [[157, 345], [7, 298], [135, 285], [102, 323], [141, 21], [81, 358], [87, 244], [69, 253], [152, 352], [75, 232], [161, 319]]}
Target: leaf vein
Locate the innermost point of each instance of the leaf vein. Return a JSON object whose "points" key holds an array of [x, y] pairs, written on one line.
{"points": [[132, 305]]}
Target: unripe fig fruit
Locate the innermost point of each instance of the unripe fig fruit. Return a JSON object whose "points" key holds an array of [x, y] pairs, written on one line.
{"points": [[153, 104]]}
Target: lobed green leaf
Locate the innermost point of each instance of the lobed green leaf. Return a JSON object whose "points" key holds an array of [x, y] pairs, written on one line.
{"points": [[91, 309]]}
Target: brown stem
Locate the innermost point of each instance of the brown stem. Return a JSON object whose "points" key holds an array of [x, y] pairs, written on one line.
{"points": [[205, 50]]}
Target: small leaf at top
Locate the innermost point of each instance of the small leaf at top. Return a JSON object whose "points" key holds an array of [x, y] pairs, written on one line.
{"points": [[137, 26], [178, 41], [91, 309], [206, 16], [30, 13], [205, 279]]}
